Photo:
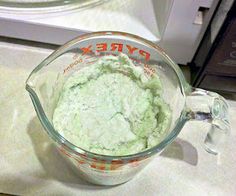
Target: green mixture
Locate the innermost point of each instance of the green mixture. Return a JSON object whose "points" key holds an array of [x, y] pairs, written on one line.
{"points": [[112, 108]]}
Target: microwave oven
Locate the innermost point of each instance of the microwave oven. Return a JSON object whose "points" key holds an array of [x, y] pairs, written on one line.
{"points": [[176, 25]]}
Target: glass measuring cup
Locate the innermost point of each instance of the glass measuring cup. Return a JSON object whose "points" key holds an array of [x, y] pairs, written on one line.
{"points": [[46, 81]]}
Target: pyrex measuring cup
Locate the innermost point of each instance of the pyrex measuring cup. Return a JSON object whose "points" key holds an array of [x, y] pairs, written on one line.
{"points": [[46, 80]]}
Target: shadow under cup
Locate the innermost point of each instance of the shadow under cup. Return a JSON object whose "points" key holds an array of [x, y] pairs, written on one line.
{"points": [[46, 81]]}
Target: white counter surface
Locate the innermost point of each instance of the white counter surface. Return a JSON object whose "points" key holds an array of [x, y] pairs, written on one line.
{"points": [[30, 165]]}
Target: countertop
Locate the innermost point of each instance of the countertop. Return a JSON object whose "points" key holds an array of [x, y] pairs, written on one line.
{"points": [[30, 165]]}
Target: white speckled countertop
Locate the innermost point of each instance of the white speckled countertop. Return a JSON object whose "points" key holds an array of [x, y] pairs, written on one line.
{"points": [[30, 165]]}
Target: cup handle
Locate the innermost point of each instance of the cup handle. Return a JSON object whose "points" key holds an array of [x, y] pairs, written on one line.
{"points": [[211, 107]]}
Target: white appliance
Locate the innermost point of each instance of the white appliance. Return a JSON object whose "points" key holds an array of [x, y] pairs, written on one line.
{"points": [[176, 25]]}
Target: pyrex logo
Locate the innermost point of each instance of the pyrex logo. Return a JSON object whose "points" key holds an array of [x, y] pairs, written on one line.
{"points": [[118, 47], [92, 51]]}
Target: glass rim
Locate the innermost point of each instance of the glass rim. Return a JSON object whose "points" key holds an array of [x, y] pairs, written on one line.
{"points": [[59, 139], [46, 6]]}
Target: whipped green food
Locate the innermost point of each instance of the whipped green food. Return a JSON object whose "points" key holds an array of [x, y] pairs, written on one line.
{"points": [[112, 108]]}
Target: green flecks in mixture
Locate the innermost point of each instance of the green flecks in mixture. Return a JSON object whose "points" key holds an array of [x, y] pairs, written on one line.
{"points": [[112, 108]]}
